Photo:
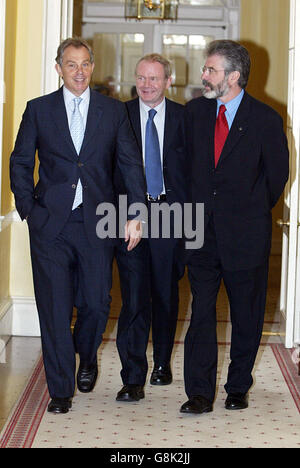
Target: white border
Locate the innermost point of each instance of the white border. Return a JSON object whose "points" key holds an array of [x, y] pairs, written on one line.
{"points": [[2, 87]]}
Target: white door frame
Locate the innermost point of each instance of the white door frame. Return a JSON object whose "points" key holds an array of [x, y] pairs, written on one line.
{"points": [[58, 25], [290, 277]]}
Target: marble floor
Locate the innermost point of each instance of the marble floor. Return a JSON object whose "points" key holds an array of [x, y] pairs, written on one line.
{"points": [[16, 363], [20, 354]]}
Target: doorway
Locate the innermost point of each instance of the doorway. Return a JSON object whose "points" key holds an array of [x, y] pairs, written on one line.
{"points": [[118, 47]]}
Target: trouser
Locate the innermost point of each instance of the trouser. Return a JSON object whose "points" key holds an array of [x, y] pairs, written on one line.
{"points": [[149, 278], [246, 292], [68, 272]]}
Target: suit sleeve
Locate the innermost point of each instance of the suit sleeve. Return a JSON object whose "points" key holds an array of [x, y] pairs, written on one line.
{"points": [[129, 161], [22, 162], [275, 157]]}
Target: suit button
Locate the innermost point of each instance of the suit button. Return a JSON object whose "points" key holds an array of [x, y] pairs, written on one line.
{"points": [[215, 193], [73, 186], [80, 164]]}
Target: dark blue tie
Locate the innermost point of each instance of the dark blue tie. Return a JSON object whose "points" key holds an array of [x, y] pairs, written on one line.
{"points": [[152, 158]]}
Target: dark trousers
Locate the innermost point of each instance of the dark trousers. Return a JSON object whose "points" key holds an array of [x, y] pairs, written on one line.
{"points": [[68, 272], [246, 292], [135, 316], [149, 278], [166, 271]]}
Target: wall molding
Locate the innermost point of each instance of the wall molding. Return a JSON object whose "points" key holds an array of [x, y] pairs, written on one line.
{"points": [[8, 219], [18, 317], [25, 321]]}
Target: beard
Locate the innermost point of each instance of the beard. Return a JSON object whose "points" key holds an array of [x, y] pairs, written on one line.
{"points": [[215, 92]]}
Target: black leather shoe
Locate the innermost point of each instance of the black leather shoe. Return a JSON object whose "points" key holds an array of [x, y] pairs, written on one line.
{"points": [[86, 377], [131, 393], [197, 405], [60, 405], [236, 401], [161, 375]]}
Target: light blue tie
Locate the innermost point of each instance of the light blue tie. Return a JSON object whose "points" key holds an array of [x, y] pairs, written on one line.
{"points": [[153, 169], [77, 134]]}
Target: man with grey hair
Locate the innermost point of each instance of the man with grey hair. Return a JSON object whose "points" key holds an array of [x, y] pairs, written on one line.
{"points": [[80, 136], [240, 167], [150, 293]]}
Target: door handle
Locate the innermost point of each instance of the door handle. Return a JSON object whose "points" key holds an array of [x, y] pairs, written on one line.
{"points": [[282, 223]]}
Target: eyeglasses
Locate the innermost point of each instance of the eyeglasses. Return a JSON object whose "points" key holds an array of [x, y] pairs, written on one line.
{"points": [[211, 70]]}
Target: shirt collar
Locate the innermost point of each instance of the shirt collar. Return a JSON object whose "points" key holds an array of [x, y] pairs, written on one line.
{"points": [[68, 96], [231, 106], [160, 108]]}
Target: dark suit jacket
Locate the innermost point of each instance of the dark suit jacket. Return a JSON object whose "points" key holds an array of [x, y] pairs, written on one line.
{"points": [[175, 161], [108, 142], [249, 178]]}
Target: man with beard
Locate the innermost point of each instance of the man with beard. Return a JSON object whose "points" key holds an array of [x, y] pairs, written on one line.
{"points": [[240, 167]]}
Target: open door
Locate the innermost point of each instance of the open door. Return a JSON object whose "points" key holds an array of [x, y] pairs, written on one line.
{"points": [[290, 278]]}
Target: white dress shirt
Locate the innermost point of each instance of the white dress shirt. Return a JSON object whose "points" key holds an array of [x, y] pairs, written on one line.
{"points": [[83, 109], [84, 105], [159, 121]]}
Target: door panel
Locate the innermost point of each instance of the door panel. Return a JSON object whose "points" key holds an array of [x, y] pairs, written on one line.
{"points": [[118, 47]]}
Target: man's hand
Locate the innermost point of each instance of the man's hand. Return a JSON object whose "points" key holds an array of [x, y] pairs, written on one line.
{"points": [[133, 233]]}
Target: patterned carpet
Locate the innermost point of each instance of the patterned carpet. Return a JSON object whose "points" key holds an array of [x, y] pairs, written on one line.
{"points": [[97, 420]]}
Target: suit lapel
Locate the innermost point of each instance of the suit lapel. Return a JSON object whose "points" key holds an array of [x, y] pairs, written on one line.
{"points": [[238, 128], [170, 126], [210, 137], [135, 119], [94, 116], [61, 120]]}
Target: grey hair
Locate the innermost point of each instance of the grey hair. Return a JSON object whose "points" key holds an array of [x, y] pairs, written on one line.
{"points": [[236, 57], [159, 59]]}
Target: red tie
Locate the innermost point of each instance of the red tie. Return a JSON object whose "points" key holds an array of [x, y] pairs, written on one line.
{"points": [[221, 132]]}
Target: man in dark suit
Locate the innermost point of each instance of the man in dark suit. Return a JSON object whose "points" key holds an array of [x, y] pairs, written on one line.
{"points": [[80, 136], [155, 265], [240, 167]]}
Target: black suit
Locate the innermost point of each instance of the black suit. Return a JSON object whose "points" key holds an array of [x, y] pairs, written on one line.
{"points": [[156, 262], [69, 260], [238, 195]]}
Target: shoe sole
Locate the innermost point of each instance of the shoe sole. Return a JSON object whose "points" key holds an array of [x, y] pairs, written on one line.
{"points": [[235, 408], [160, 383], [207, 410], [59, 411], [129, 399]]}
